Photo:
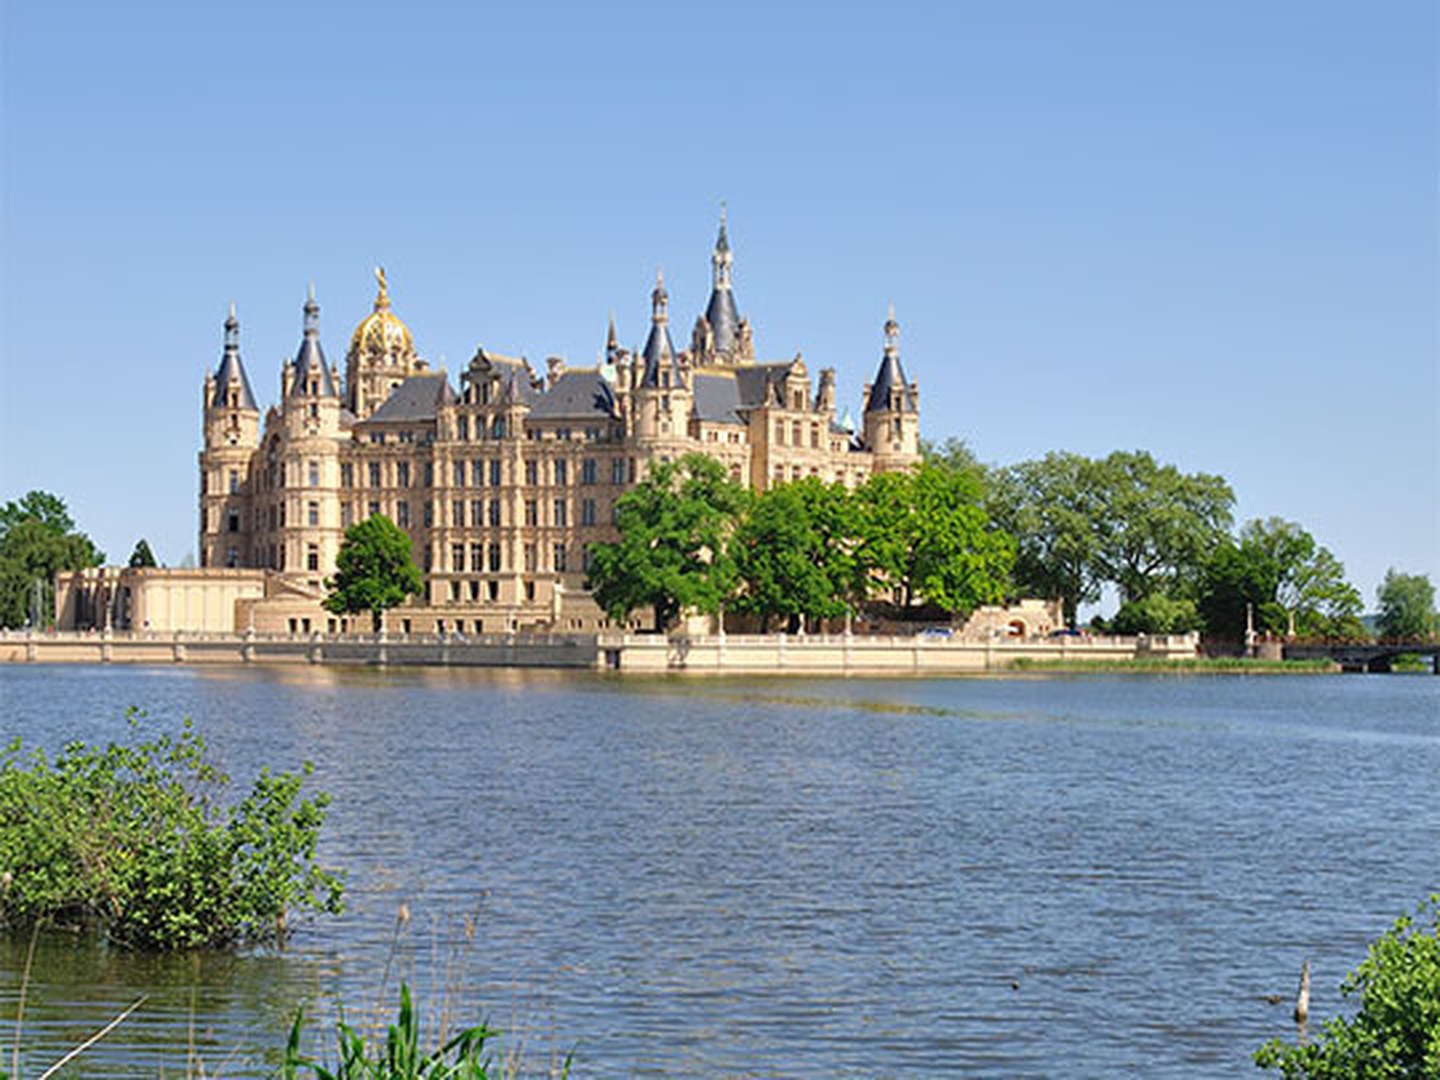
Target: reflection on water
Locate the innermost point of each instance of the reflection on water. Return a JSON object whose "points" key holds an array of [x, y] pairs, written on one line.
{"points": [[1096, 876]]}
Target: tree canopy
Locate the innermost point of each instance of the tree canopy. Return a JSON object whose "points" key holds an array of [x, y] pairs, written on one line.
{"points": [[1291, 584], [785, 550], [374, 570], [1407, 605], [37, 541], [672, 554]]}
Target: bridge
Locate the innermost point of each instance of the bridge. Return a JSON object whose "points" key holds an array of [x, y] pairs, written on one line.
{"points": [[1357, 656]]}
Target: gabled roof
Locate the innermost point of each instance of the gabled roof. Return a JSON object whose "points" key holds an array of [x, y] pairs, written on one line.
{"points": [[758, 383], [717, 398], [415, 399], [581, 394]]}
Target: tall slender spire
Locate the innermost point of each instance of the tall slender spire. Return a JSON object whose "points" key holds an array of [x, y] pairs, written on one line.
{"points": [[310, 365], [382, 298], [232, 331], [659, 351], [892, 333], [721, 260], [891, 390]]}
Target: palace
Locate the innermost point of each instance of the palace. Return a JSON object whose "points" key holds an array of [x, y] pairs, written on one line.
{"points": [[503, 479]]}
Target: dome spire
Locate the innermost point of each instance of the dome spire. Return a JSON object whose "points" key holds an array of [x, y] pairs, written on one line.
{"points": [[892, 333], [659, 299], [312, 313], [382, 298]]}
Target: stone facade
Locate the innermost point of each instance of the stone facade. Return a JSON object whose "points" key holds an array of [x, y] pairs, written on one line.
{"points": [[504, 478]]}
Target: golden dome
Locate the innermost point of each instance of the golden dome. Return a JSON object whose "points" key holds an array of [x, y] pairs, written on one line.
{"points": [[381, 333]]}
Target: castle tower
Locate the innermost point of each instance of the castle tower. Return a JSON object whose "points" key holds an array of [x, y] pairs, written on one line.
{"points": [[721, 336], [232, 434], [662, 400], [892, 408], [381, 355], [309, 457]]}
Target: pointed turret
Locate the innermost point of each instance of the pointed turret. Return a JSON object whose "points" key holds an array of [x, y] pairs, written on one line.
{"points": [[892, 408], [661, 364], [312, 375], [232, 385], [722, 318], [890, 392]]}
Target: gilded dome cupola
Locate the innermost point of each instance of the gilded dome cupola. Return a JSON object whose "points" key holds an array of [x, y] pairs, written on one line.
{"points": [[381, 333]]}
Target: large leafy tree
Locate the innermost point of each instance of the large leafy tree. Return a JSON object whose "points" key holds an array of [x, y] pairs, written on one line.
{"points": [[924, 535], [781, 554], [1396, 1032], [1157, 526], [37, 541], [1053, 507], [672, 552], [374, 570], [1407, 605], [1290, 583]]}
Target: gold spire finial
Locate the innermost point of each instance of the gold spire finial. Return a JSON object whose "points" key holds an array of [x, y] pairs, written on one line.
{"points": [[383, 299]]}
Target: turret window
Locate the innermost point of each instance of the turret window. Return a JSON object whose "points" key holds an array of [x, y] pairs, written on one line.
{"points": [[314, 473], [780, 433], [562, 473], [462, 428], [402, 474], [558, 519], [458, 470], [312, 557], [374, 474], [347, 475], [232, 521], [560, 559], [495, 473], [457, 514], [234, 481], [312, 513], [492, 552]]}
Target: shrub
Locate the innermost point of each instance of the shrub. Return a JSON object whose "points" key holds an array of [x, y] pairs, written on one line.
{"points": [[1396, 1033], [135, 842]]}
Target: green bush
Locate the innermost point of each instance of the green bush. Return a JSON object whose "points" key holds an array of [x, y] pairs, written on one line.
{"points": [[135, 841], [1396, 1033]]}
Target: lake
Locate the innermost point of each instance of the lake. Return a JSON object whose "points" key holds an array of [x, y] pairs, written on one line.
{"points": [[1087, 875]]}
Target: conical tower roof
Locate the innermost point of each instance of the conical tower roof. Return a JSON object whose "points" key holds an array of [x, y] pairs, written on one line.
{"points": [[232, 368]]}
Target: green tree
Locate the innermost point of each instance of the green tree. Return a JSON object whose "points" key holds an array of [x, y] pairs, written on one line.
{"points": [[1407, 605], [1292, 584], [954, 454], [373, 570], [781, 561], [1157, 526], [142, 555], [1157, 613], [37, 541], [132, 840], [924, 535], [672, 553], [1053, 508], [1396, 1032]]}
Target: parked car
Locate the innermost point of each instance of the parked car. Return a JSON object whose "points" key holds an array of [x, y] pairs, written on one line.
{"points": [[937, 632]]}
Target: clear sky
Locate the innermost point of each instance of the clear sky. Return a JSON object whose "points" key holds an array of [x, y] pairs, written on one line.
{"points": [[1207, 230]]}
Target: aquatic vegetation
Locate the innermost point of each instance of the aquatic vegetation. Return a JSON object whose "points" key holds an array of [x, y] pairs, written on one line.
{"points": [[136, 841]]}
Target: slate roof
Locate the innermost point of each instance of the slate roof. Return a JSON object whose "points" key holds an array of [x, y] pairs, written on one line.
{"points": [[658, 352], [717, 398], [582, 394], [890, 377], [758, 382], [230, 367], [724, 319], [308, 355], [414, 399]]}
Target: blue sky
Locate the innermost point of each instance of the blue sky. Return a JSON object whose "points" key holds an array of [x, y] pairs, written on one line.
{"points": [[1204, 230]]}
